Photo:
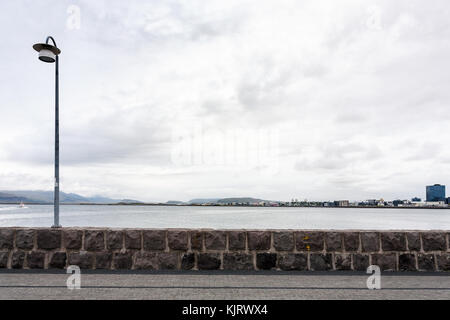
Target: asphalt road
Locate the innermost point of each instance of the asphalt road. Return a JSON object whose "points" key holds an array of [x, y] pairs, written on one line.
{"points": [[219, 285]]}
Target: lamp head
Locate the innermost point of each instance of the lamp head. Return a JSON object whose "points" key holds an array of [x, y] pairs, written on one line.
{"points": [[47, 52]]}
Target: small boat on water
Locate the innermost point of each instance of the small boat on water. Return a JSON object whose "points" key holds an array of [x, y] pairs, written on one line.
{"points": [[21, 205]]}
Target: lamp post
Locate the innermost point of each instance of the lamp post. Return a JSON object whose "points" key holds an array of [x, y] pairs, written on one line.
{"points": [[49, 53]]}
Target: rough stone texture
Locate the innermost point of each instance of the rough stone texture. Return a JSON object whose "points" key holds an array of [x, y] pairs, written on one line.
{"points": [[25, 239], [17, 259], [49, 239], [154, 239], [320, 262], [4, 259], [444, 262], [73, 239], [82, 259], [114, 239], [188, 261], [309, 241], [236, 240], [177, 240], [156, 261], [215, 240], [407, 262], [343, 261], [36, 260], [6, 238], [266, 261], [283, 241], [413, 241], [351, 241], [58, 260], [208, 261], [196, 240], [94, 240], [360, 262], [386, 262], [103, 260], [426, 262], [237, 261], [133, 239], [333, 241], [293, 261], [258, 240], [370, 242], [168, 261], [393, 241], [122, 260], [434, 241]]}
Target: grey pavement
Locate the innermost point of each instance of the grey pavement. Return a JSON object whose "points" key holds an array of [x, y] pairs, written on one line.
{"points": [[198, 285]]}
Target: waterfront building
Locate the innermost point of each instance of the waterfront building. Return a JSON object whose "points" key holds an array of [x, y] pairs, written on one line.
{"points": [[435, 193]]}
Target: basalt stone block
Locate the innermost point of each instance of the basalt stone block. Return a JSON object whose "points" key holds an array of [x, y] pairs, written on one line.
{"points": [[168, 260], [343, 261], [434, 241], [266, 261], [236, 240], [238, 261], [177, 240], [444, 262], [196, 240], [25, 239], [4, 259], [293, 261], [123, 260], [386, 262], [413, 241], [58, 260], [310, 241], [49, 239], [154, 239], [351, 241], [393, 241], [208, 261], [370, 242], [114, 239], [146, 261], [283, 241], [17, 259], [333, 241], [215, 240], [188, 261], [360, 262], [103, 260], [36, 260], [258, 240], [94, 240], [426, 262], [83, 259], [407, 262], [133, 239], [73, 239], [6, 238], [320, 262]]}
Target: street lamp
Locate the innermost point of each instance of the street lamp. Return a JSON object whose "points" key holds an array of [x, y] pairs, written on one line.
{"points": [[49, 53]]}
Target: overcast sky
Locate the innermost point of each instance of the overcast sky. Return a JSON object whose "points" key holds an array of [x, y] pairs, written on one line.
{"points": [[174, 100]]}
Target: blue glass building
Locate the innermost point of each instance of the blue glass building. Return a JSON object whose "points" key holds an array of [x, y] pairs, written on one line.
{"points": [[436, 193]]}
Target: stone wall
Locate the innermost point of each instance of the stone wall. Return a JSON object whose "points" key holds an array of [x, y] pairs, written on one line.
{"points": [[182, 249]]}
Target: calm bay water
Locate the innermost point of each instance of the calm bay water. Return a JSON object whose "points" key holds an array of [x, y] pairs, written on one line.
{"points": [[225, 217]]}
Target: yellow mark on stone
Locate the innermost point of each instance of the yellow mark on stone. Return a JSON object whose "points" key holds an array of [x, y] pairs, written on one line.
{"points": [[308, 247]]}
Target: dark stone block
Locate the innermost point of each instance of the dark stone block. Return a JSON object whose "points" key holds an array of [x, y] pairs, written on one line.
{"points": [[36, 260], [413, 241], [215, 240], [73, 239], [293, 261], [6, 238], [360, 262], [386, 262], [238, 261], [258, 240], [343, 261], [351, 241], [370, 242], [407, 262], [25, 239], [49, 239], [103, 260], [434, 241], [283, 241], [196, 240], [114, 239], [333, 241], [188, 261], [154, 239], [146, 261], [310, 241], [133, 239], [320, 262], [17, 259], [168, 260], [426, 262], [266, 261], [393, 241], [4, 259], [94, 240], [443, 261], [236, 240], [83, 259], [177, 240], [208, 261], [123, 260], [58, 260]]}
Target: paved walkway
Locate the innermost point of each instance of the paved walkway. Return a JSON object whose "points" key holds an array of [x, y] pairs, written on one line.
{"points": [[220, 285]]}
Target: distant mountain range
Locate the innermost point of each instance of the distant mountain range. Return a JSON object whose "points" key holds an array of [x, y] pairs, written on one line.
{"points": [[219, 201]]}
